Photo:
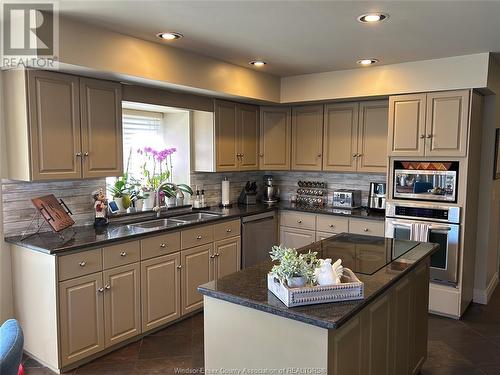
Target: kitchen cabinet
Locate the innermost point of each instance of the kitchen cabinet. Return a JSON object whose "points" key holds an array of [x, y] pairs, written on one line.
{"points": [[122, 303], [307, 137], [60, 126], [197, 268], [433, 124], [295, 238], [227, 256], [354, 134], [81, 317], [236, 137], [160, 290], [275, 138]]}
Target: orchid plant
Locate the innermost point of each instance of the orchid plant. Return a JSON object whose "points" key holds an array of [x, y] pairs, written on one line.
{"points": [[157, 166]]}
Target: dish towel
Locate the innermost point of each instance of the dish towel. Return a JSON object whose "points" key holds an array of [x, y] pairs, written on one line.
{"points": [[420, 232]]}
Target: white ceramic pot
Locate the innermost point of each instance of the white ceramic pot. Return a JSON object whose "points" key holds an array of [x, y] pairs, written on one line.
{"points": [[119, 203], [171, 202], [296, 282], [149, 202], [138, 204]]}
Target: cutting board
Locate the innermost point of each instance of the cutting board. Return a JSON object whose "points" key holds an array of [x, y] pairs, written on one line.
{"points": [[53, 212]]}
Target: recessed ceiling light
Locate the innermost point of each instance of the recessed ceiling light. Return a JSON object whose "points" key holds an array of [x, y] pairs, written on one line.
{"points": [[257, 63], [373, 17], [169, 35], [367, 62]]}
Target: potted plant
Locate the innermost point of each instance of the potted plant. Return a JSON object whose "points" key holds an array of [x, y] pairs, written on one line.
{"points": [[171, 194], [119, 192], [294, 269]]}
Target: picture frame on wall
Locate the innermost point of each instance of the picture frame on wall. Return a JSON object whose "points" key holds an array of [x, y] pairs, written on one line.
{"points": [[496, 164]]}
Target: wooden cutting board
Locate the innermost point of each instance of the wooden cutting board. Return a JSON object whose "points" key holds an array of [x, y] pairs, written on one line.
{"points": [[53, 212]]}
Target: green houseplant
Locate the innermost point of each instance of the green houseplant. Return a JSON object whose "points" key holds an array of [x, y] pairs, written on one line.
{"points": [[295, 269], [120, 193]]}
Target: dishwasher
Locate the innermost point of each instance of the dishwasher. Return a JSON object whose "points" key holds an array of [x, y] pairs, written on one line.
{"points": [[259, 234]]}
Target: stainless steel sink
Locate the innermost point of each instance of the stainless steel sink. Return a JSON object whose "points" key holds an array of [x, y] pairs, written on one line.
{"points": [[160, 223], [197, 216]]}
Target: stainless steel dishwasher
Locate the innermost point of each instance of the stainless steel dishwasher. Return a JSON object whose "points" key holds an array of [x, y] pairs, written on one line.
{"points": [[259, 234]]}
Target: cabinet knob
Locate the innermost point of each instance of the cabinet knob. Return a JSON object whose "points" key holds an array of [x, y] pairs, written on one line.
{"points": [[212, 256], [242, 155], [359, 155], [429, 135], [82, 264], [216, 254], [332, 226], [107, 287], [261, 155], [100, 290], [365, 230], [123, 254], [422, 136], [229, 230], [163, 245], [85, 154], [78, 154], [319, 155], [198, 237], [179, 267], [299, 221]]}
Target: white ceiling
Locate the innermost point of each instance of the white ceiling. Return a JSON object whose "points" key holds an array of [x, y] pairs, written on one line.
{"points": [[298, 37]]}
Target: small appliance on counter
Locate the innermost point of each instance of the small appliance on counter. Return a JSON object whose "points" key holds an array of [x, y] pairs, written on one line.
{"points": [[347, 198], [248, 195], [377, 196], [270, 191]]}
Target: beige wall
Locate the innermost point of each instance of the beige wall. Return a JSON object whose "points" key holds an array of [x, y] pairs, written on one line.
{"points": [[429, 75], [5, 267], [124, 57]]}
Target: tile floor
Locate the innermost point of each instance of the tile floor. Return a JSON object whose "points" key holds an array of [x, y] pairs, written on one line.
{"points": [[470, 346]]}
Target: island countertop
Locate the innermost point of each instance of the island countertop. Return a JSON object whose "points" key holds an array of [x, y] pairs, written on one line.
{"points": [[378, 262]]}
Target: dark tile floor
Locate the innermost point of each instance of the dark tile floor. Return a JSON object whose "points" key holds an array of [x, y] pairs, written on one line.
{"points": [[470, 346]]}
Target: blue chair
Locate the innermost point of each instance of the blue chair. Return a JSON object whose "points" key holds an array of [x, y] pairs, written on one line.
{"points": [[11, 347]]}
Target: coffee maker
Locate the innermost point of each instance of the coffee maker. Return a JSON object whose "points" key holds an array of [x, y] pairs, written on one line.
{"points": [[270, 194], [376, 198]]}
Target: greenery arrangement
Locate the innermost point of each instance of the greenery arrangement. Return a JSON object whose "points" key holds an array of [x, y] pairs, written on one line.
{"points": [[292, 264]]}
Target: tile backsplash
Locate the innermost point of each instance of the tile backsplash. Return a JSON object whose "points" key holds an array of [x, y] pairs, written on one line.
{"points": [[18, 209]]}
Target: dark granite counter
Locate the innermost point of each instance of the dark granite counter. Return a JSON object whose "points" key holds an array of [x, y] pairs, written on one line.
{"points": [[357, 213], [378, 262]]}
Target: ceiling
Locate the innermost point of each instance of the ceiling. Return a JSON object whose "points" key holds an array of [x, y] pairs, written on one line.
{"points": [[299, 37]]}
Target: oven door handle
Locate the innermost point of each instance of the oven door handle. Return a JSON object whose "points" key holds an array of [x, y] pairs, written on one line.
{"points": [[439, 227]]}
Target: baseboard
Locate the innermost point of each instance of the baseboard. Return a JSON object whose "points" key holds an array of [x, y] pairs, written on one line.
{"points": [[482, 296]]}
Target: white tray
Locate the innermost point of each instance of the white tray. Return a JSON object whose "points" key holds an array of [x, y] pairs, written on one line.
{"points": [[350, 289]]}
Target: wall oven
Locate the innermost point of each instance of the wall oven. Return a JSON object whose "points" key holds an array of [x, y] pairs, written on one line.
{"points": [[426, 223], [425, 181]]}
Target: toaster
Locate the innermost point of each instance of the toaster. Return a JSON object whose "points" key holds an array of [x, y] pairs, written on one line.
{"points": [[347, 198]]}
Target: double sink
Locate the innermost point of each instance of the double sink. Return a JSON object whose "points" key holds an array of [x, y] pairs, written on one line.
{"points": [[175, 221]]}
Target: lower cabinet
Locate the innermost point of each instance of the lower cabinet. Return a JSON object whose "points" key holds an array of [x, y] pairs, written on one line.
{"points": [[160, 290], [295, 238], [227, 255], [81, 315]]}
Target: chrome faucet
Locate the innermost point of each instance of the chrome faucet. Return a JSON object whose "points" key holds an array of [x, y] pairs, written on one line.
{"points": [[179, 196]]}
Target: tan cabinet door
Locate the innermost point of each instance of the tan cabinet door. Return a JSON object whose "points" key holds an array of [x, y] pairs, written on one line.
{"points": [[248, 134], [226, 136], [122, 311], [421, 306], [403, 320], [295, 238], [372, 136], [160, 290], [54, 125], [447, 123], [81, 317], [228, 256], [340, 137], [406, 125], [307, 137], [275, 138], [101, 113], [197, 268]]}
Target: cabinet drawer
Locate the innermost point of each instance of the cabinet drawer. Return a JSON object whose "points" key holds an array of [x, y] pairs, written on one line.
{"points": [[299, 220], [79, 264], [197, 236], [160, 245], [226, 230], [368, 227], [121, 254], [332, 224], [320, 236]]}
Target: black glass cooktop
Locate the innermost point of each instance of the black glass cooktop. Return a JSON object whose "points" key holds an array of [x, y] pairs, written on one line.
{"points": [[362, 254]]}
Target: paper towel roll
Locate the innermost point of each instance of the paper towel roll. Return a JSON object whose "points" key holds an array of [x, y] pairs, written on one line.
{"points": [[225, 192]]}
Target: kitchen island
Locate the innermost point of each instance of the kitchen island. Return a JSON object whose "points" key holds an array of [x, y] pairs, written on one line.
{"points": [[248, 329]]}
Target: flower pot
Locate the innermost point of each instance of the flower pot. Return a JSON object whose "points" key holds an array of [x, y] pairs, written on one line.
{"points": [[171, 202], [296, 282], [119, 203], [149, 203], [138, 204]]}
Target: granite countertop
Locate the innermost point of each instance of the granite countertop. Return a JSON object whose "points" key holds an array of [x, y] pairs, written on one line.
{"points": [[378, 262], [357, 213]]}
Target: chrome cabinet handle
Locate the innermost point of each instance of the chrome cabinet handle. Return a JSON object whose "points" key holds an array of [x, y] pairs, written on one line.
{"points": [[123, 254], [299, 221], [429, 135], [198, 237], [179, 267], [82, 264], [78, 154], [107, 287], [216, 254], [100, 290], [261, 155], [354, 155], [242, 155], [212, 256], [319, 155], [366, 230], [422, 136], [332, 226], [359, 155], [163, 245], [229, 230], [85, 154]]}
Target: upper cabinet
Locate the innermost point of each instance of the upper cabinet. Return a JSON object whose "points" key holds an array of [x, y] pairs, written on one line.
{"points": [[354, 134], [307, 137], [228, 140], [434, 124], [275, 138], [60, 126]]}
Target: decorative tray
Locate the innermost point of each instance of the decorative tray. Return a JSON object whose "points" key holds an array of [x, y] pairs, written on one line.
{"points": [[351, 288]]}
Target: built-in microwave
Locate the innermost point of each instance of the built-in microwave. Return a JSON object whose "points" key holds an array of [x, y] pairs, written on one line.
{"points": [[425, 180]]}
